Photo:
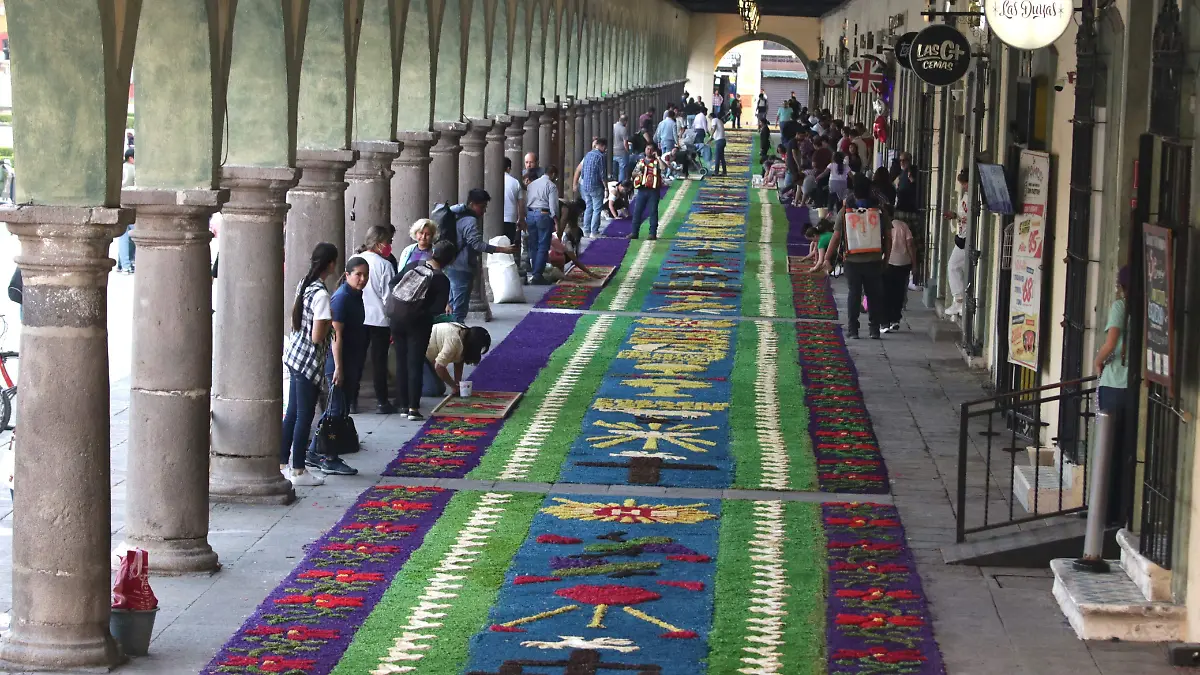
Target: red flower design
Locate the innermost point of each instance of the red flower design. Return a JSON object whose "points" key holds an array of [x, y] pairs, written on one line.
{"points": [[881, 655], [863, 544], [368, 549], [334, 601], [302, 633], [316, 574], [557, 539], [350, 576], [609, 594], [874, 594], [280, 664], [294, 600]]}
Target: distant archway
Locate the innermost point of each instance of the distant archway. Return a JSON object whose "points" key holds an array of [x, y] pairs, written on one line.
{"points": [[751, 37]]}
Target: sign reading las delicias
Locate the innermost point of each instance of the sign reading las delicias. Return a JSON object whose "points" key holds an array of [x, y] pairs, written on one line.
{"points": [[1025, 297], [1029, 24], [940, 55]]}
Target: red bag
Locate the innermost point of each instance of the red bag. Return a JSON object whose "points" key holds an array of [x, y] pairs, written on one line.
{"points": [[132, 588]]}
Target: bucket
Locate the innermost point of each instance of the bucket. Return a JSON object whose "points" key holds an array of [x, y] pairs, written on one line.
{"points": [[465, 389], [132, 628]]}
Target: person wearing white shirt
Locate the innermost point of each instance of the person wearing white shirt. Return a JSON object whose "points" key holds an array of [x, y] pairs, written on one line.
{"points": [[720, 168], [514, 223], [700, 134], [375, 250]]}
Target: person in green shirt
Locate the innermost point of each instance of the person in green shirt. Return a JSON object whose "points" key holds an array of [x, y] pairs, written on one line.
{"points": [[1112, 363]]}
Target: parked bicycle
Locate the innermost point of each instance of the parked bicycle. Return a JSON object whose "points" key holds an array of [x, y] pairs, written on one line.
{"points": [[8, 395]]}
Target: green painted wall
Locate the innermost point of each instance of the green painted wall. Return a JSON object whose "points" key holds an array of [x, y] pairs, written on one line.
{"points": [[497, 98], [520, 60], [476, 75], [375, 86], [60, 127], [261, 117], [323, 117], [448, 103], [570, 46], [416, 111], [537, 55], [550, 63], [178, 134]]}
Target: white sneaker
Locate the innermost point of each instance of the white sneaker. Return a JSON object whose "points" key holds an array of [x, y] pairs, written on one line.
{"points": [[955, 309], [306, 479]]}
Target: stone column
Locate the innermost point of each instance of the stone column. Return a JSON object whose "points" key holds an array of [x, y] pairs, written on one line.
{"points": [[368, 197], [493, 174], [248, 402], [471, 161], [318, 214], [597, 116], [589, 126], [569, 142], [581, 136], [166, 510], [410, 183], [61, 539], [514, 142], [546, 136], [443, 163], [531, 135]]}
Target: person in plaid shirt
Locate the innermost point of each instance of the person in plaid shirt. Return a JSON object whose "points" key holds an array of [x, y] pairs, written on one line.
{"points": [[591, 177], [304, 357]]}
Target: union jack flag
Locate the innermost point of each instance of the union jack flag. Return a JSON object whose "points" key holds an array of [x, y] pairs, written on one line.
{"points": [[866, 74]]}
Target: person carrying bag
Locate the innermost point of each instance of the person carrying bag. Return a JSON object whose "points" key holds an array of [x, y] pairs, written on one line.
{"points": [[336, 433]]}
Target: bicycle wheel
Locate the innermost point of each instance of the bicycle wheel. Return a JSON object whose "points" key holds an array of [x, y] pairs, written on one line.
{"points": [[6, 407]]}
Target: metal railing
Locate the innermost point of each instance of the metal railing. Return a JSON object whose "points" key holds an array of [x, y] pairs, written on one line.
{"points": [[985, 474]]}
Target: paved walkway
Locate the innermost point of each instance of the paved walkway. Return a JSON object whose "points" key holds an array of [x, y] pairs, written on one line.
{"points": [[988, 620]]}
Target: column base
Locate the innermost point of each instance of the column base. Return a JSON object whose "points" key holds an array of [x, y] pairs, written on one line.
{"points": [[178, 557], [236, 481], [41, 649]]}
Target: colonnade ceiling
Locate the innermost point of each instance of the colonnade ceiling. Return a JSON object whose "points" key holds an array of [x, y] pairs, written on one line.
{"points": [[250, 82]]}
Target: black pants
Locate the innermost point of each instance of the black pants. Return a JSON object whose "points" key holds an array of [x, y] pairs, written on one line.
{"points": [[895, 292], [864, 277], [514, 237], [411, 341], [378, 341]]}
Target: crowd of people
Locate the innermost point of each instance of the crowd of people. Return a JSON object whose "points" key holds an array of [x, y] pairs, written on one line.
{"points": [[828, 166]]}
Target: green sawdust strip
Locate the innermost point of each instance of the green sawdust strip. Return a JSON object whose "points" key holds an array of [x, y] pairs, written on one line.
{"points": [[554, 450], [803, 556], [752, 284], [668, 229], [467, 612], [744, 421]]}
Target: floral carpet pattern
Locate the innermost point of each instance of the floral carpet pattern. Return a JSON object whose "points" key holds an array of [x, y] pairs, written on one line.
{"points": [[425, 580]]}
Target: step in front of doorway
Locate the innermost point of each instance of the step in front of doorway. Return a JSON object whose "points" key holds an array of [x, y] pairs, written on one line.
{"points": [[1110, 606]]}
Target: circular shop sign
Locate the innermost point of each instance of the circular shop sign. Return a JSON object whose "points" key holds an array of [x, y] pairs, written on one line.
{"points": [[940, 55], [903, 46], [1029, 24]]}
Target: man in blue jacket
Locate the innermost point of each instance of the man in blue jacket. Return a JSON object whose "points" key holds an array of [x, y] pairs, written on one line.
{"points": [[471, 245]]}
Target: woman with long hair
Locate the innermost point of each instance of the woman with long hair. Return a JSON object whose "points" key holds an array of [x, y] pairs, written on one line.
{"points": [[304, 358], [376, 248]]}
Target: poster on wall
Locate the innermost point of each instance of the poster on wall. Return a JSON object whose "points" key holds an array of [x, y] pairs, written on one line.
{"points": [[1159, 330], [1028, 248]]}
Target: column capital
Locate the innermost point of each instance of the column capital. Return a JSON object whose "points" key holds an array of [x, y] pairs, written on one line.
{"points": [[168, 218], [257, 191], [482, 125], [323, 170], [499, 129], [65, 238], [451, 127], [374, 160], [414, 148], [518, 115], [367, 148]]}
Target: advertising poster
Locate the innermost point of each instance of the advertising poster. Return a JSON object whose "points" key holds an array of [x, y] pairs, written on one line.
{"points": [[1028, 247], [1159, 276]]}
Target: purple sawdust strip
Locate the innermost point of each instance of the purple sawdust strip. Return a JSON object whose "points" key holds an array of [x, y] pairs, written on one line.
{"points": [[878, 615], [604, 251], [449, 448], [621, 227], [306, 623], [798, 219]]}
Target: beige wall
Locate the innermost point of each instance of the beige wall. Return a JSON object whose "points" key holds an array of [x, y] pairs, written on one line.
{"points": [[710, 36]]}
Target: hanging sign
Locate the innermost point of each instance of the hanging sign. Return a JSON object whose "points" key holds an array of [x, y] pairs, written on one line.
{"points": [[1159, 330], [1028, 247], [903, 47], [940, 55], [866, 74], [1029, 24]]}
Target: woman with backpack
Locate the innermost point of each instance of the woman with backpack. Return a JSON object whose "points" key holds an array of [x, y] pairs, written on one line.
{"points": [[304, 357], [419, 294]]}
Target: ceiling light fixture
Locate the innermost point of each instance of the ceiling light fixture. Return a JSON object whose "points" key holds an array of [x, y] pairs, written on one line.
{"points": [[748, 10]]}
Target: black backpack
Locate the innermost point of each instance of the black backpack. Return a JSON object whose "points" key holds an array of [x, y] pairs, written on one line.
{"points": [[446, 218], [408, 293], [16, 287]]}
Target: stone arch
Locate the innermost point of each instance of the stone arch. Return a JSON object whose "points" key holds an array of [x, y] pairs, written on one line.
{"points": [[537, 54], [743, 39], [415, 70], [564, 35], [500, 60], [519, 69], [571, 48], [475, 76], [550, 62], [448, 54], [376, 89]]}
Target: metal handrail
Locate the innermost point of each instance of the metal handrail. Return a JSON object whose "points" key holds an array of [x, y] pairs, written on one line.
{"points": [[1005, 405]]}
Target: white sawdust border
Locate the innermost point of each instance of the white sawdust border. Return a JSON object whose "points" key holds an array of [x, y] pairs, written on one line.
{"points": [[630, 283], [768, 593], [775, 462]]}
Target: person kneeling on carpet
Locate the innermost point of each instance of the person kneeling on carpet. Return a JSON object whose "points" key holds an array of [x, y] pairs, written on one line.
{"points": [[564, 247], [455, 344]]}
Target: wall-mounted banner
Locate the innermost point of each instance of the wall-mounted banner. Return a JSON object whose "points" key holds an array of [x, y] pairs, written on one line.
{"points": [[1025, 297], [1159, 335], [1029, 24], [903, 47], [940, 55]]}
